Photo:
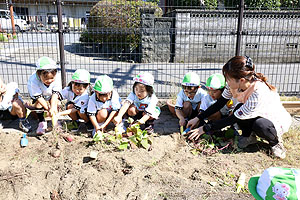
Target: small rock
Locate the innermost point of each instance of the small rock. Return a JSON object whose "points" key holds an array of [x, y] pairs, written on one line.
{"points": [[55, 153], [93, 154]]}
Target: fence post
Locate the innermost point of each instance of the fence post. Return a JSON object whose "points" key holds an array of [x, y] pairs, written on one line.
{"points": [[240, 28], [12, 17], [61, 42]]}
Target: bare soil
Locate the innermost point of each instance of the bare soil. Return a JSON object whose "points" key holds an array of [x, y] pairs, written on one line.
{"points": [[168, 171]]}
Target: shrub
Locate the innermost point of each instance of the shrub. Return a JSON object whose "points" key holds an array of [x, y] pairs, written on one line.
{"points": [[116, 23], [182, 4], [255, 4]]}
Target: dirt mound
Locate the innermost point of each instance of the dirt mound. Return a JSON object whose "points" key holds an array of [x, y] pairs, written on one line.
{"points": [[168, 171]]}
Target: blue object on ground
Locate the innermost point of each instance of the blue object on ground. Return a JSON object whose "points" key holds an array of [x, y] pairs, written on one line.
{"points": [[24, 141], [186, 130]]}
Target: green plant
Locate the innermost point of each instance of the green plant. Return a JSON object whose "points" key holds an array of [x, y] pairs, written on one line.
{"points": [[134, 137], [3, 37], [115, 24], [255, 4], [289, 4], [208, 4]]}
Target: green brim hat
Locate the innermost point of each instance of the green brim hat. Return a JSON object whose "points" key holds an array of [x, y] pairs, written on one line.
{"points": [[103, 84], [45, 63], [215, 82], [81, 76], [191, 79], [276, 184]]}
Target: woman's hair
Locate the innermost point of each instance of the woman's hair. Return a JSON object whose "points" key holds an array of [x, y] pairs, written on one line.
{"points": [[44, 73], [149, 89], [242, 67]]}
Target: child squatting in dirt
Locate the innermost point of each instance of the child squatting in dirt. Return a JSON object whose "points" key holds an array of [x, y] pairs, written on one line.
{"points": [[189, 98], [44, 86], [141, 102], [103, 104], [11, 105]]}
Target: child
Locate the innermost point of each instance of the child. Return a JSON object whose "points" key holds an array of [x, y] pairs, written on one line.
{"points": [[141, 102], [189, 98], [11, 105], [44, 86], [215, 85], [103, 104], [77, 96], [259, 113]]}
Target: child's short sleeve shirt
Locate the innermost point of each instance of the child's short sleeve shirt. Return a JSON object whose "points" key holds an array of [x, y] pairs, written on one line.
{"points": [[37, 89], [80, 102], [11, 90], [181, 97], [208, 101], [113, 104], [148, 104]]}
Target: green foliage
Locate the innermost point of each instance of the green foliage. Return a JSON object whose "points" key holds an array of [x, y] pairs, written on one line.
{"points": [[290, 4], [208, 4], [115, 24], [3, 37], [134, 137], [255, 4]]}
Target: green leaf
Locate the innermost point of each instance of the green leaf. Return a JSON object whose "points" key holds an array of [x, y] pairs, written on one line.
{"points": [[130, 120], [133, 139], [145, 143], [123, 145], [194, 152]]}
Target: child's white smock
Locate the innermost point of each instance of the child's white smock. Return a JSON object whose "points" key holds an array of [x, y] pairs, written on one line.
{"points": [[147, 104], [181, 98], [262, 102], [112, 104], [37, 88], [11, 90], [80, 102], [207, 101]]}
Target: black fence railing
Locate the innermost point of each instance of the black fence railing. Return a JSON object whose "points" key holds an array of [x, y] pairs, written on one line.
{"points": [[167, 38]]}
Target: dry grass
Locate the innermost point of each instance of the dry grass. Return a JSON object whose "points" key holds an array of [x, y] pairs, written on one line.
{"points": [[292, 143], [292, 98]]}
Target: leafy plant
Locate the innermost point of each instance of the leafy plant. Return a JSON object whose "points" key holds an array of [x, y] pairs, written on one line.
{"points": [[115, 24], [134, 137], [208, 4], [255, 4], [210, 144]]}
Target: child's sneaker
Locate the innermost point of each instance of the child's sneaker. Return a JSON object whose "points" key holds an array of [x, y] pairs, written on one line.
{"points": [[24, 125], [246, 141], [278, 150], [89, 126], [72, 126], [41, 128]]}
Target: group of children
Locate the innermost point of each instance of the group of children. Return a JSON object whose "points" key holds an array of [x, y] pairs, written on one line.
{"points": [[99, 104]]}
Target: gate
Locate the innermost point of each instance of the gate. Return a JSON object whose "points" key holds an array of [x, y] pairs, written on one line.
{"points": [[168, 40]]}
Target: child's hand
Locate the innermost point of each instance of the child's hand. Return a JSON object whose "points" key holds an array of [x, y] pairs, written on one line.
{"points": [[53, 111], [182, 122], [117, 120], [2, 88], [102, 127]]}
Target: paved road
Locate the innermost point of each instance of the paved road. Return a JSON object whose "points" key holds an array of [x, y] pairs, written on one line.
{"points": [[17, 60]]}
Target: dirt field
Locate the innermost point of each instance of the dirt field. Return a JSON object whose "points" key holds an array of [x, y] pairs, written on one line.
{"points": [[168, 171]]}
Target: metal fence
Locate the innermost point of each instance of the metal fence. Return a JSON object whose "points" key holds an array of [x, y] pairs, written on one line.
{"points": [[167, 38]]}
